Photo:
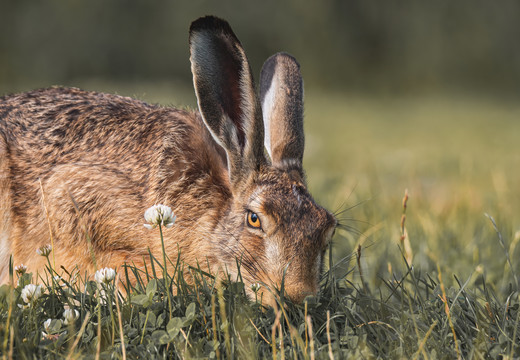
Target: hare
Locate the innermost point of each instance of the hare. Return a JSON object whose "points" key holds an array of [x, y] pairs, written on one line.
{"points": [[83, 166]]}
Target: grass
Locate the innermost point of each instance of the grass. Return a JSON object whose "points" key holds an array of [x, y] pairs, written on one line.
{"points": [[436, 279]]}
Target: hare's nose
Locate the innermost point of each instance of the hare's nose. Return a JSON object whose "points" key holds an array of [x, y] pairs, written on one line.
{"points": [[299, 293]]}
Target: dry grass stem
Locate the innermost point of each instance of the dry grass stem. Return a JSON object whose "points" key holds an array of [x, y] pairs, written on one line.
{"points": [[448, 313], [308, 321], [404, 239], [331, 355], [78, 337]]}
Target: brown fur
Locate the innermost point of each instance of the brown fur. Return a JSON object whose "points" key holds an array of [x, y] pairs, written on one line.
{"points": [[102, 160]]}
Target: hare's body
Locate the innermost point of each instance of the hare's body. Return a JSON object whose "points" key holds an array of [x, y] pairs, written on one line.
{"points": [[81, 168], [108, 157]]}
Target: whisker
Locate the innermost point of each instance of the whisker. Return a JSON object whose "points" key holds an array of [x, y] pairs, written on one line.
{"points": [[337, 213], [341, 220], [348, 228], [345, 201]]}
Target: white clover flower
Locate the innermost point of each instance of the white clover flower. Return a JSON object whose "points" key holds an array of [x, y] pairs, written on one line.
{"points": [[70, 315], [159, 215], [46, 326], [20, 269], [105, 275], [44, 250], [255, 287], [31, 293], [48, 333]]}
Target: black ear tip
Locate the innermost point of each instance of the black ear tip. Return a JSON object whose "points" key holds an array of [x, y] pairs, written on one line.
{"points": [[211, 23]]}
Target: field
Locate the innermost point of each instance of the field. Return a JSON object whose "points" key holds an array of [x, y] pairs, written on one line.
{"points": [[435, 279], [457, 157]]}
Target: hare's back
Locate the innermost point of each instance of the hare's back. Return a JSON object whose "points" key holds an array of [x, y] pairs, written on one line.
{"points": [[62, 122], [44, 129], [66, 125]]}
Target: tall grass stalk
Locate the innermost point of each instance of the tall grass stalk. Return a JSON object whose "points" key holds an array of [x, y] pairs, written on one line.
{"points": [[421, 350], [503, 244], [448, 312], [214, 323], [48, 223], [10, 306], [308, 321], [225, 321], [329, 342], [165, 273]]}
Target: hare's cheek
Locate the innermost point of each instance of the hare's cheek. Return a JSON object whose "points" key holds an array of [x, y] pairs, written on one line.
{"points": [[273, 255], [272, 250]]}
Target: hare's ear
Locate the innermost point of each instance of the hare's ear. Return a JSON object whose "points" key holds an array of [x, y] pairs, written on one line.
{"points": [[281, 93], [225, 94]]}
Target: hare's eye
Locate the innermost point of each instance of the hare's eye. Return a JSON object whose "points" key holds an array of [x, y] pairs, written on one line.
{"points": [[253, 220]]}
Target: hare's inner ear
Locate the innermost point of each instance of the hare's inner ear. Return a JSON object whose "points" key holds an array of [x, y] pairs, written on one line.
{"points": [[281, 93], [225, 94]]}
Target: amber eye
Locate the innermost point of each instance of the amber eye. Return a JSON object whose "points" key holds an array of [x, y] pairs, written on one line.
{"points": [[253, 220]]}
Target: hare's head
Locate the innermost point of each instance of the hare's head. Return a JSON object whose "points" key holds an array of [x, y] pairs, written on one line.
{"points": [[272, 224]]}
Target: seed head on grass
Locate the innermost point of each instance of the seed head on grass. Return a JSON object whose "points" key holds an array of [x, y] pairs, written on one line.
{"points": [[159, 215]]}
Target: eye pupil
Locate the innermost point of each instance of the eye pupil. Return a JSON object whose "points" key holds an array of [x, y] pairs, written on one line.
{"points": [[253, 220]]}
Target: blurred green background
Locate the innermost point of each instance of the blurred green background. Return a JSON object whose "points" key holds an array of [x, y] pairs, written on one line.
{"points": [[417, 95], [404, 46]]}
